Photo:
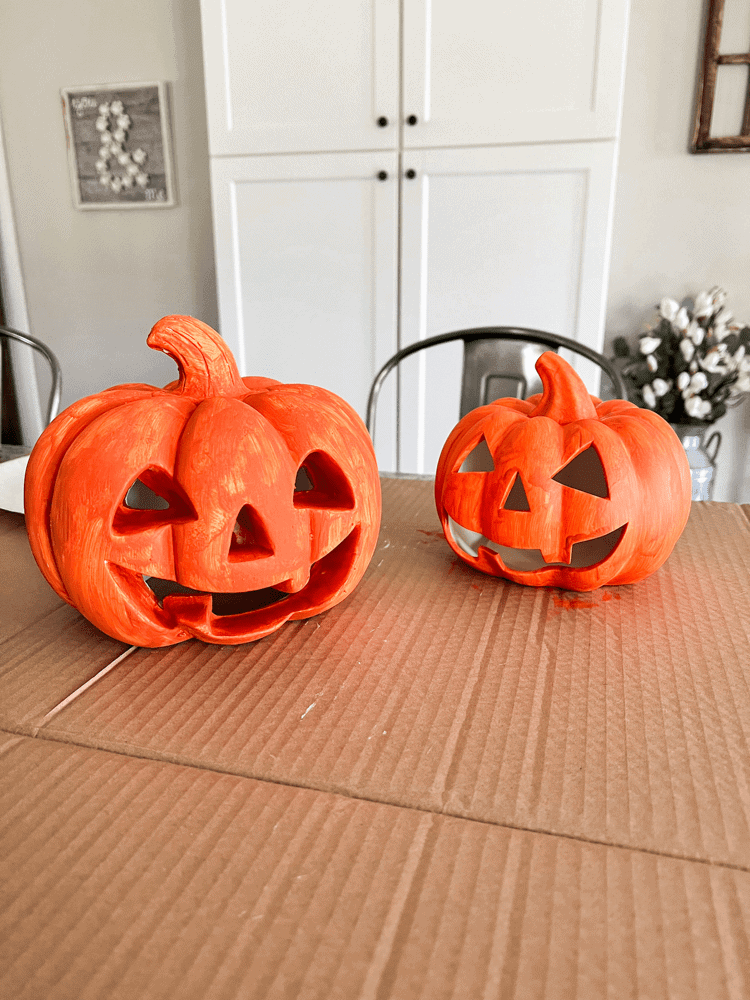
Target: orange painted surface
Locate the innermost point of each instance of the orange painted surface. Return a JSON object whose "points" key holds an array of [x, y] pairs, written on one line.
{"points": [[641, 499], [239, 543]]}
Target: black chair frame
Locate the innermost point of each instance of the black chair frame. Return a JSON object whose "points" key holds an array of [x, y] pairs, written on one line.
{"points": [[53, 402], [489, 333]]}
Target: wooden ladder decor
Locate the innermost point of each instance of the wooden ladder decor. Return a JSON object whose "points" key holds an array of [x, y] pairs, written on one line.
{"points": [[712, 59]]}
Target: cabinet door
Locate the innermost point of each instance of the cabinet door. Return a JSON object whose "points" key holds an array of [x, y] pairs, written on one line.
{"points": [[300, 76], [482, 73], [510, 236], [306, 265]]}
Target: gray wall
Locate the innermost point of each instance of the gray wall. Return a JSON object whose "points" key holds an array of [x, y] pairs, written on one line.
{"points": [[682, 221], [96, 281]]}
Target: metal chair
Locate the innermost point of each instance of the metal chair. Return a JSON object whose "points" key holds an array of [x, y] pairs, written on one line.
{"points": [[13, 392], [493, 371]]}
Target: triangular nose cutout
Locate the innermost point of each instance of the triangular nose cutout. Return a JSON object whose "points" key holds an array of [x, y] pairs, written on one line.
{"points": [[517, 499], [479, 458], [249, 537], [585, 473]]}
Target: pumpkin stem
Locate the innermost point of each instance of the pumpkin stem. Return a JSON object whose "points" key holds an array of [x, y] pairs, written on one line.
{"points": [[207, 367], [565, 397]]}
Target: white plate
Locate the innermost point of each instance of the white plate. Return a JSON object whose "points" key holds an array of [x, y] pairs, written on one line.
{"points": [[11, 484]]}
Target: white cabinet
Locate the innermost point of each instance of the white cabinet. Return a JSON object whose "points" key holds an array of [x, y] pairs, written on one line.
{"points": [[324, 270], [482, 72], [504, 235], [301, 75], [307, 269]]}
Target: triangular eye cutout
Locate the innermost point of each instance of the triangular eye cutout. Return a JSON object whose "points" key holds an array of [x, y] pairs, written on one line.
{"points": [[479, 458], [153, 498], [517, 499], [585, 473], [250, 540], [322, 484], [142, 497]]}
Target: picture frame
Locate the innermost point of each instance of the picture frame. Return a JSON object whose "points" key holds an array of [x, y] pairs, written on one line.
{"points": [[119, 145]]}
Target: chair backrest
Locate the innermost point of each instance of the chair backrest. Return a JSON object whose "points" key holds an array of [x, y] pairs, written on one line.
{"points": [[492, 370], [16, 384]]}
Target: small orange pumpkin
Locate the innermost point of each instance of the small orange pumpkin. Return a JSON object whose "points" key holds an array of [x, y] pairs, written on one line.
{"points": [[216, 507], [572, 492]]}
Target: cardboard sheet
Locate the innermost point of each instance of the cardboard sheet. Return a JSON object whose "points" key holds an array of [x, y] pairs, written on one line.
{"points": [[448, 786], [622, 717], [122, 879]]}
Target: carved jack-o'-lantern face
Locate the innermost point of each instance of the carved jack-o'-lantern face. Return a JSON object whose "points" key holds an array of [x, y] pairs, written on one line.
{"points": [[217, 507], [562, 489]]}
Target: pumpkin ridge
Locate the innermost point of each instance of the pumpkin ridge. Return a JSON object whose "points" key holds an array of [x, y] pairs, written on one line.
{"points": [[207, 367]]}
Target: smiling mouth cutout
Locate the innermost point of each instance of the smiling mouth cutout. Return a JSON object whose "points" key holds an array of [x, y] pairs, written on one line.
{"points": [[583, 555], [221, 604]]}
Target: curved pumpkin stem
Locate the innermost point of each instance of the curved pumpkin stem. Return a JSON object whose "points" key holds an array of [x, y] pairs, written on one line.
{"points": [[207, 367], [565, 397]]}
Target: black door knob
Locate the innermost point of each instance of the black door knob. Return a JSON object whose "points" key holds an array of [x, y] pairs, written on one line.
{"points": [[411, 174], [382, 121], [412, 120], [382, 175]]}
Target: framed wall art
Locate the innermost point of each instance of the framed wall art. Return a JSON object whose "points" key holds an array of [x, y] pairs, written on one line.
{"points": [[722, 107], [119, 145]]}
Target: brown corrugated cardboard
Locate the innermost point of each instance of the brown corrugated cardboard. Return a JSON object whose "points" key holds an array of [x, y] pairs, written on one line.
{"points": [[136, 879], [423, 722], [620, 716]]}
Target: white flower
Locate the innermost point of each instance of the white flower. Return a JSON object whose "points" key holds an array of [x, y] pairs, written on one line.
{"points": [[123, 158], [683, 381], [647, 344], [105, 178], [123, 121], [101, 166], [682, 320], [698, 382], [116, 107], [687, 349], [724, 318], [101, 124], [116, 184], [141, 179], [132, 169], [649, 396], [126, 181], [704, 304], [661, 387], [697, 407], [139, 157], [652, 363], [696, 333], [104, 110], [119, 135], [718, 296], [668, 309], [712, 361]]}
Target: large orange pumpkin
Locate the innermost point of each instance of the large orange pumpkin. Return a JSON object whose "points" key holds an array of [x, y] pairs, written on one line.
{"points": [[216, 507], [565, 491]]}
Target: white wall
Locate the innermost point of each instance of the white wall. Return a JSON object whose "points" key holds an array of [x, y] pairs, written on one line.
{"points": [[97, 281], [682, 221]]}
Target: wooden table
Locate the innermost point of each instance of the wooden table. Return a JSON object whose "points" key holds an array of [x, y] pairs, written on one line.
{"points": [[448, 786]]}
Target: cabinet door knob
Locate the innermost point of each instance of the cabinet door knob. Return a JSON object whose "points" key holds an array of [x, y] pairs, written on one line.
{"points": [[382, 175], [382, 121], [412, 120], [411, 174]]}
